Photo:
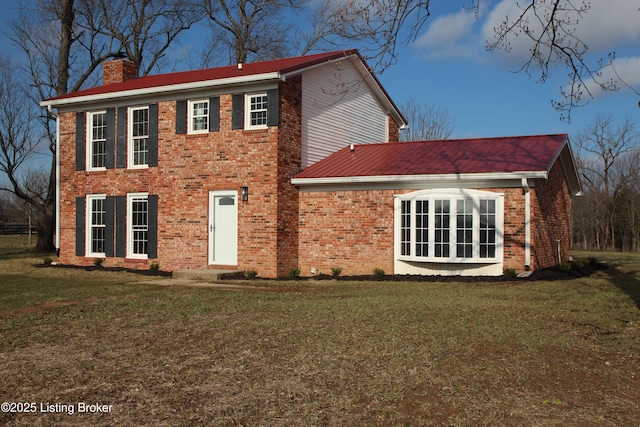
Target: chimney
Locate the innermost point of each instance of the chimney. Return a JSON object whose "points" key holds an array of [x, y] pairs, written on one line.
{"points": [[118, 70]]}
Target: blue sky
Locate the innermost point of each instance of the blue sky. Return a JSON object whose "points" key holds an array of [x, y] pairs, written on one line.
{"points": [[448, 66]]}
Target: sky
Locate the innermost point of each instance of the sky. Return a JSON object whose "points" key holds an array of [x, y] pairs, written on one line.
{"points": [[448, 66]]}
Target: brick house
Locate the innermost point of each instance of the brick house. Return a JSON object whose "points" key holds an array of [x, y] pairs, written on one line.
{"points": [[233, 167]]}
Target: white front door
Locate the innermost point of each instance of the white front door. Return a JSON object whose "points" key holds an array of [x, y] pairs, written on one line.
{"points": [[223, 227]]}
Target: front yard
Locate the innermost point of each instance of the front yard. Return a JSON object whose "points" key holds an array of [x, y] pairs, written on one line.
{"points": [[563, 352]]}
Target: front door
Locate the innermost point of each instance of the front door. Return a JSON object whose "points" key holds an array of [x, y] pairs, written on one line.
{"points": [[223, 227]]}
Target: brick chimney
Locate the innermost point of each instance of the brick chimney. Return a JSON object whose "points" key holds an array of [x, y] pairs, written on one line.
{"points": [[118, 70]]}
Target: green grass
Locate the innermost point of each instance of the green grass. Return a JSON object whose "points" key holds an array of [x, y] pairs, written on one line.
{"points": [[321, 353]]}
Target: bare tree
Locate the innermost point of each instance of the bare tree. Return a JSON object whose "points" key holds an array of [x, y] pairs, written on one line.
{"points": [[608, 157], [551, 29], [426, 122], [65, 41]]}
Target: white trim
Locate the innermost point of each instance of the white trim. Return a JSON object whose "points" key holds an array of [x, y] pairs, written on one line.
{"points": [[248, 111], [88, 225], [450, 178], [453, 195], [130, 155], [527, 223], [57, 154], [190, 116], [89, 140], [191, 86], [129, 237]]}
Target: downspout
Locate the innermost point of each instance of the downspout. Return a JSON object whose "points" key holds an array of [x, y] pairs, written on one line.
{"points": [[527, 224], [57, 154]]}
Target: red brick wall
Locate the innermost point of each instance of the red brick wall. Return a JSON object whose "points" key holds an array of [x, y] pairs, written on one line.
{"points": [[289, 164], [551, 202], [354, 230]]}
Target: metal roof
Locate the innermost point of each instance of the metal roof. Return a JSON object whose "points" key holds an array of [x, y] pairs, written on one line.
{"points": [[533, 155]]}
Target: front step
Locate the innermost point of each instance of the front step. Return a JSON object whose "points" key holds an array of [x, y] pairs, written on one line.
{"points": [[206, 275]]}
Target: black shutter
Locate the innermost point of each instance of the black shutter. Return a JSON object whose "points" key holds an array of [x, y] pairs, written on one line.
{"points": [[108, 229], [80, 226], [120, 218], [110, 137], [181, 117], [273, 104], [153, 135], [80, 141], [121, 142], [152, 243], [237, 108], [214, 114]]}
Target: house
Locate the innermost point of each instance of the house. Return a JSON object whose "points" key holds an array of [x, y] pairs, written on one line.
{"points": [[292, 163], [455, 207]]}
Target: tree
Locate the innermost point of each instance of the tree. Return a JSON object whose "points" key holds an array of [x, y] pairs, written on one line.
{"points": [[64, 42], [426, 122], [608, 157], [19, 145]]}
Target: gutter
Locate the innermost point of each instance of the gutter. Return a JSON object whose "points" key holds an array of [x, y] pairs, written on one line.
{"points": [[341, 180], [527, 224], [57, 154], [57, 102]]}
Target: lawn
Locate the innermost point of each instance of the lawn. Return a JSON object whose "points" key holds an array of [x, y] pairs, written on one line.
{"points": [[317, 353]]}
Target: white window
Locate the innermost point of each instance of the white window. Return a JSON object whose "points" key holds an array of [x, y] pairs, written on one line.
{"points": [[96, 225], [138, 225], [96, 140], [138, 137], [199, 116], [449, 226], [256, 111]]}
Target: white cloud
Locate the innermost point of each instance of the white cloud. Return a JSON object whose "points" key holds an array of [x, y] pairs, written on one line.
{"points": [[449, 37], [624, 72], [606, 26]]}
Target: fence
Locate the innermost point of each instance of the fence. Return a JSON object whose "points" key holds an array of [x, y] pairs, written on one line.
{"points": [[16, 229]]}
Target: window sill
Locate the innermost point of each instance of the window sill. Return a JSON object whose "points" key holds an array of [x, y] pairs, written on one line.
{"points": [[451, 260]]}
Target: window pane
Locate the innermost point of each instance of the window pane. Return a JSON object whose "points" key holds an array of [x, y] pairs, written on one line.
{"points": [[487, 228], [258, 110], [98, 140], [140, 136], [405, 230], [441, 227], [97, 226], [139, 225]]}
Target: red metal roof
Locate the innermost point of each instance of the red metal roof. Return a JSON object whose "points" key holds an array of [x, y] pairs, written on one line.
{"points": [[461, 156], [283, 66]]}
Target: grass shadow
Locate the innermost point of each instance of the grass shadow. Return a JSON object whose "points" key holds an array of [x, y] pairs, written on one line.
{"points": [[627, 280]]}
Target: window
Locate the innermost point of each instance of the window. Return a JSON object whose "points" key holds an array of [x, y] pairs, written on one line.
{"points": [[97, 140], [138, 137], [138, 225], [199, 116], [449, 226], [96, 225], [256, 114]]}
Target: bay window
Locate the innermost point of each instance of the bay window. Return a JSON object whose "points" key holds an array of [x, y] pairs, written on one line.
{"points": [[453, 225]]}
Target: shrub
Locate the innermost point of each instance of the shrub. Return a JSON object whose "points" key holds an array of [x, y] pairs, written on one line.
{"points": [[98, 262], [250, 274], [565, 266], [47, 260], [378, 272], [154, 267], [509, 272], [335, 272], [294, 272]]}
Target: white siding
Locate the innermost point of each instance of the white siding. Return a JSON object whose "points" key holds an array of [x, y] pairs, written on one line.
{"points": [[338, 109]]}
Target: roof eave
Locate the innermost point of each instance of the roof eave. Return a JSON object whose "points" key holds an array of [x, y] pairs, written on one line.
{"points": [[385, 179], [182, 87]]}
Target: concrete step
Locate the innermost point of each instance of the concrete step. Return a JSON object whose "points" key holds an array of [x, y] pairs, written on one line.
{"points": [[206, 275]]}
